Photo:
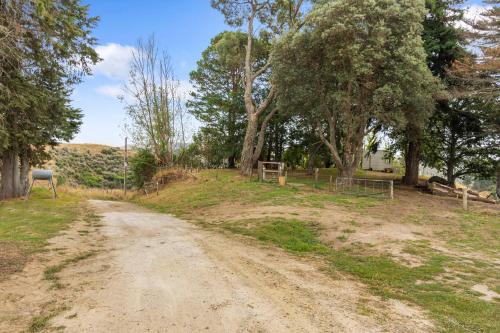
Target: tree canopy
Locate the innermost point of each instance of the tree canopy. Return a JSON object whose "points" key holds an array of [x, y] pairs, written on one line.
{"points": [[356, 65]]}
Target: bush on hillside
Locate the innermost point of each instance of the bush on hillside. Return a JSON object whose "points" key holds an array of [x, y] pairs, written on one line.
{"points": [[143, 167]]}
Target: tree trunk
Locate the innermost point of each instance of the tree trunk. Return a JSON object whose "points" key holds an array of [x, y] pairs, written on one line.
{"points": [[347, 172], [248, 146], [412, 156], [25, 170], [311, 157], [10, 187], [450, 175]]}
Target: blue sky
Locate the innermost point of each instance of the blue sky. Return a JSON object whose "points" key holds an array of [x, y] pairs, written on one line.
{"points": [[183, 28]]}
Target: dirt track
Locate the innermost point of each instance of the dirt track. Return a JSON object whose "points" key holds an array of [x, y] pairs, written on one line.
{"points": [[160, 274]]}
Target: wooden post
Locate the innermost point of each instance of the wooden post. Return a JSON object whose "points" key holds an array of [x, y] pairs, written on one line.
{"points": [[464, 198], [330, 184], [157, 188], [316, 174], [391, 189], [259, 170]]}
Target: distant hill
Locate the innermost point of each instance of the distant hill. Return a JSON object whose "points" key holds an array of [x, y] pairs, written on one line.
{"points": [[90, 165]]}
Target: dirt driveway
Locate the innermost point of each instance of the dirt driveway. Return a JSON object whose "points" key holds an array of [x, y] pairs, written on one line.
{"points": [[156, 273]]}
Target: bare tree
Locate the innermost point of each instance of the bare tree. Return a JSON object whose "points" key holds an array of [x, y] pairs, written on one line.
{"points": [[154, 100]]}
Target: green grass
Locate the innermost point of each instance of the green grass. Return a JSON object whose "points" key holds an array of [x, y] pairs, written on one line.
{"points": [[291, 235], [478, 231], [29, 224], [50, 273], [214, 187], [41, 322], [454, 307]]}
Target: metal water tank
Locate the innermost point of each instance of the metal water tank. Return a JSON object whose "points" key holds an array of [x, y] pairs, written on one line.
{"points": [[41, 174]]}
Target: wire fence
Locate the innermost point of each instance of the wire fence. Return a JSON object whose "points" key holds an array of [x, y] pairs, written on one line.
{"points": [[364, 187], [328, 181]]}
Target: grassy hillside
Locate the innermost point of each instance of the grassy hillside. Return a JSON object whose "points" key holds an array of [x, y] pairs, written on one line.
{"points": [[88, 165]]}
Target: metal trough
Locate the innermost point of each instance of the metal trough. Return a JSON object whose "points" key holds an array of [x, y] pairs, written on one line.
{"points": [[41, 174]]}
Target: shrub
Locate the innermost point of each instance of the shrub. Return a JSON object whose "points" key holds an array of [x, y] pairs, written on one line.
{"points": [[143, 167]]}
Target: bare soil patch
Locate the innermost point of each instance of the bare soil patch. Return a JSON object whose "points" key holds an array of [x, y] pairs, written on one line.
{"points": [[12, 259]]}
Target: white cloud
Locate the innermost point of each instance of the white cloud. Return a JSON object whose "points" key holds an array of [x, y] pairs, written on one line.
{"points": [[472, 14], [115, 60], [114, 90], [185, 88]]}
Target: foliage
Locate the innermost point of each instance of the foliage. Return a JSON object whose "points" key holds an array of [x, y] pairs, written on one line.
{"points": [[356, 65], [143, 166], [276, 18], [458, 142], [44, 62], [217, 100], [479, 71]]}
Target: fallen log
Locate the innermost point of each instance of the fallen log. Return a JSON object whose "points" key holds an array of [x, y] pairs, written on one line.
{"points": [[443, 190]]}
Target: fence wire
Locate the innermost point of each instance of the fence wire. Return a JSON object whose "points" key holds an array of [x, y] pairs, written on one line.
{"points": [[364, 187]]}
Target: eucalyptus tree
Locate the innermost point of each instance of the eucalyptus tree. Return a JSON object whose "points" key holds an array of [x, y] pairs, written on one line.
{"points": [[275, 18], [42, 64], [217, 98], [355, 65]]}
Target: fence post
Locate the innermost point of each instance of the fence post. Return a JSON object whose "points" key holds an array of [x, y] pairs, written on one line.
{"points": [[259, 170], [286, 176], [316, 174], [330, 184], [391, 189], [157, 188], [464, 197]]}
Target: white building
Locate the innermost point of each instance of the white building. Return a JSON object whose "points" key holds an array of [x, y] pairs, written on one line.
{"points": [[377, 161]]}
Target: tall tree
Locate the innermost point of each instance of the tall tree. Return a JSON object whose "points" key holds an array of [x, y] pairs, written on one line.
{"points": [[53, 48], [356, 64], [480, 71], [457, 140], [276, 17], [443, 46], [217, 100]]}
